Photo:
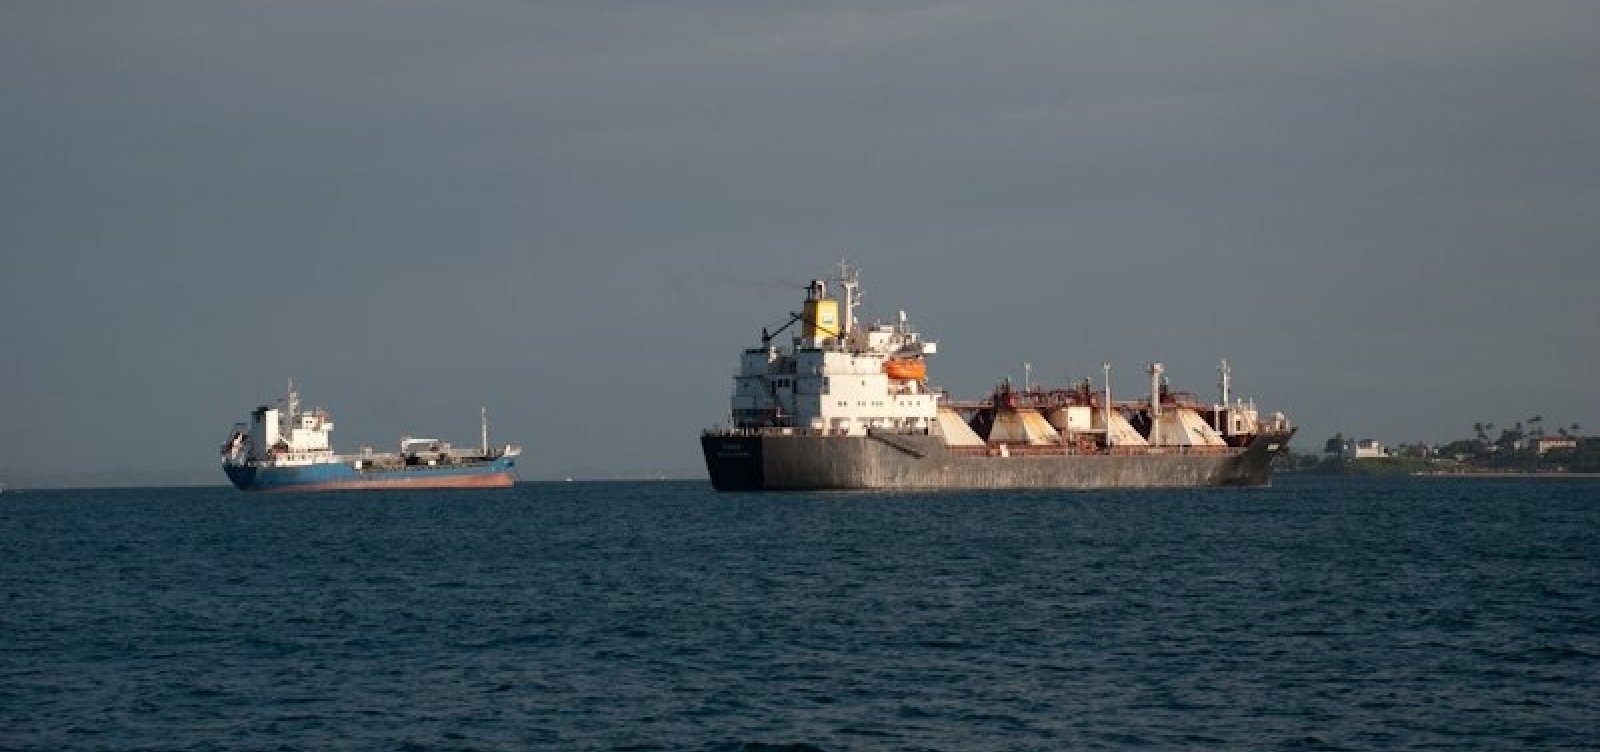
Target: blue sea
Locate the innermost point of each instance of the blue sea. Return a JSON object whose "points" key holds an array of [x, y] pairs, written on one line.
{"points": [[1319, 614]]}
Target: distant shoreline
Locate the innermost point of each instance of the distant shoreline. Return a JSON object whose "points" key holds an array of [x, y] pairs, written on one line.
{"points": [[1502, 475]]}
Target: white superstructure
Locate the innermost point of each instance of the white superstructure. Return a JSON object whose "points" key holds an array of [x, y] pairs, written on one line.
{"points": [[285, 437], [837, 376]]}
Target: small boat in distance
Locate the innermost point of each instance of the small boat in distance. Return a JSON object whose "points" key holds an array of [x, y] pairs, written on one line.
{"points": [[285, 449]]}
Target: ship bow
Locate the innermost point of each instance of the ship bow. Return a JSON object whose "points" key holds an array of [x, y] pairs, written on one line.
{"points": [[733, 461]]}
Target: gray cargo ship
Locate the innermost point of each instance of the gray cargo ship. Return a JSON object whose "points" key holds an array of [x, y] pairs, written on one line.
{"points": [[848, 406]]}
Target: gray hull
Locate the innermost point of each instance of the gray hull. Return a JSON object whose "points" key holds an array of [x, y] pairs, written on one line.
{"points": [[772, 461]]}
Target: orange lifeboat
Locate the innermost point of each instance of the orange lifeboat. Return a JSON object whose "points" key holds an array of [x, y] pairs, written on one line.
{"points": [[906, 368]]}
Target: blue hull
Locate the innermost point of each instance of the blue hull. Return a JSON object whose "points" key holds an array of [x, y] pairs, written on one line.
{"points": [[334, 476]]}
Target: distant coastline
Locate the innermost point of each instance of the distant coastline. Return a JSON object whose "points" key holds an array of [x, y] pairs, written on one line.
{"points": [[1519, 452], [1500, 474]]}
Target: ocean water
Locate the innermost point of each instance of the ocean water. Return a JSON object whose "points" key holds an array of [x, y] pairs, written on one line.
{"points": [[1318, 614]]}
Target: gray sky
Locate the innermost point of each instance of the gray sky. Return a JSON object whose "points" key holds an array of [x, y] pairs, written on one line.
{"points": [[1385, 214]]}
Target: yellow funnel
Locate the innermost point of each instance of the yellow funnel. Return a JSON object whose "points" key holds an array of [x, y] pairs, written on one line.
{"points": [[820, 319]]}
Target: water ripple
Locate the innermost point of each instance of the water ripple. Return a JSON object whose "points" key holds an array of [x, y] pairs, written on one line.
{"points": [[1316, 615]]}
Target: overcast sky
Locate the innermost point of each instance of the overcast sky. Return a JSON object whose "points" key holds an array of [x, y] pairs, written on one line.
{"points": [[1386, 215]]}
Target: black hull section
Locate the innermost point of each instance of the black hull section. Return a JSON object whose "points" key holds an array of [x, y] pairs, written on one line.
{"points": [[734, 462], [772, 461]]}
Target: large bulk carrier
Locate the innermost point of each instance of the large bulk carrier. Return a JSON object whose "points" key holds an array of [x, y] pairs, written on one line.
{"points": [[848, 406], [287, 449]]}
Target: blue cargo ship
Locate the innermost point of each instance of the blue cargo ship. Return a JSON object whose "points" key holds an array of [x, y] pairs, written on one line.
{"points": [[287, 449]]}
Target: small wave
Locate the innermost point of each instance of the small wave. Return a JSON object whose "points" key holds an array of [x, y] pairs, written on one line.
{"points": [[764, 747], [1309, 742]]}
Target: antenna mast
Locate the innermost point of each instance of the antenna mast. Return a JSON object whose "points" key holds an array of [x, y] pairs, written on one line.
{"points": [[291, 404], [1107, 406], [850, 283], [1156, 369]]}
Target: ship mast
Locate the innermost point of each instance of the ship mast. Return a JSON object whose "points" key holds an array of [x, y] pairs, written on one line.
{"points": [[850, 283], [1216, 412], [1107, 406], [1156, 369], [484, 427], [291, 404], [1157, 435]]}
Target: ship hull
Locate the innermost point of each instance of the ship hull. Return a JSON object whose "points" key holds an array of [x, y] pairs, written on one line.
{"points": [[773, 461], [338, 476]]}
